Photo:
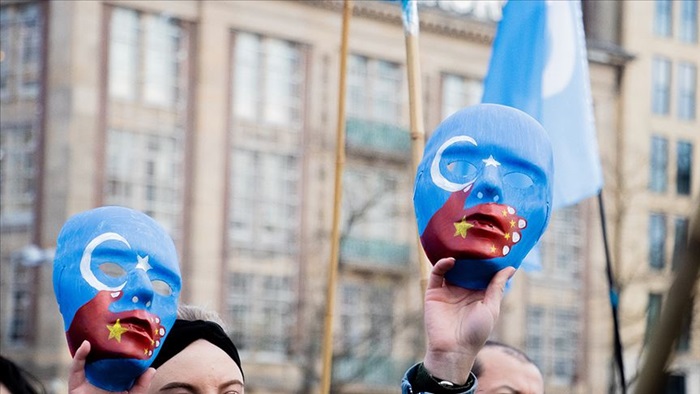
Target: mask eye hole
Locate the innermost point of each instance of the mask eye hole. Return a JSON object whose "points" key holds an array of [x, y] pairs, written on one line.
{"points": [[460, 171], [161, 288], [518, 180], [112, 270]]}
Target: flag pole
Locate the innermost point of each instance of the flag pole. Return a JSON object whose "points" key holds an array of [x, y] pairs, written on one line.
{"points": [[614, 298], [335, 231], [668, 327], [415, 94]]}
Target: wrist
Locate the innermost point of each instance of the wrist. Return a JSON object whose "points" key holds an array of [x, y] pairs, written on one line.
{"points": [[451, 366]]}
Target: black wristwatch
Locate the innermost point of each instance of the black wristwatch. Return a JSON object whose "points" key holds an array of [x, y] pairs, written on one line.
{"points": [[425, 382]]}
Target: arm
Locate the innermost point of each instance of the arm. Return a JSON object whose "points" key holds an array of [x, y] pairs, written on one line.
{"points": [[78, 383], [458, 322]]}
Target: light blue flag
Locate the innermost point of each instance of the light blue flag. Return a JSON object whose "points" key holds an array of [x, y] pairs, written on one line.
{"points": [[539, 65]]}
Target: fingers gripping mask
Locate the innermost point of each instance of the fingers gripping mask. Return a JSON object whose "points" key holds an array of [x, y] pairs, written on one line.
{"points": [[483, 191], [117, 280]]}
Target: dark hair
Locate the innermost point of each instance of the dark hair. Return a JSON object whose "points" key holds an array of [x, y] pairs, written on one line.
{"points": [[478, 367], [17, 380]]}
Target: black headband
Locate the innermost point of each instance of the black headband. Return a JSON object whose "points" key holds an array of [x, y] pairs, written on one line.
{"points": [[184, 332]]}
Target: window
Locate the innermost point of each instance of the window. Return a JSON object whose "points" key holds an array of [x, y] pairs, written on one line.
{"points": [[687, 78], [17, 172], [684, 168], [145, 171], [653, 314], [535, 339], [562, 244], [145, 54], [675, 384], [265, 202], [658, 178], [21, 325], [371, 202], [459, 92], [683, 342], [366, 319], [264, 198], [680, 242], [661, 85], [663, 18], [689, 21], [373, 90], [555, 351], [565, 342], [261, 311], [657, 240], [21, 31], [267, 80], [146, 116]]}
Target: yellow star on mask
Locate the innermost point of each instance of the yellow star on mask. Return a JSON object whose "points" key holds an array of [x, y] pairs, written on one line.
{"points": [[462, 227], [116, 330]]}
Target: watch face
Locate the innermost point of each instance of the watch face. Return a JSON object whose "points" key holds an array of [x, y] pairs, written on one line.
{"points": [[117, 281], [483, 191]]}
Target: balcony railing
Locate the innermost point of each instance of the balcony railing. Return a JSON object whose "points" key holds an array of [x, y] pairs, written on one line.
{"points": [[376, 137], [373, 252], [374, 371]]}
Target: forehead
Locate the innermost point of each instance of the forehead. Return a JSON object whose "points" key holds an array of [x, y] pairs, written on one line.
{"points": [[142, 234], [201, 365], [502, 368], [499, 131]]}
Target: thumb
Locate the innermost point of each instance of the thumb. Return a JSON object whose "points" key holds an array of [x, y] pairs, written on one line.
{"points": [[494, 292], [143, 382]]}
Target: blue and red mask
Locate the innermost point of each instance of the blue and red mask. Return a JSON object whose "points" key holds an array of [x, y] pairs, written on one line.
{"points": [[117, 280], [483, 191]]}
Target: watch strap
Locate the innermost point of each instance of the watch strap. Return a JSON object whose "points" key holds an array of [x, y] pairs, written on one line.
{"points": [[424, 382]]}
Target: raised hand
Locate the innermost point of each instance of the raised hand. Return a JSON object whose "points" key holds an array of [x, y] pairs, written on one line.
{"points": [[78, 383], [458, 321]]}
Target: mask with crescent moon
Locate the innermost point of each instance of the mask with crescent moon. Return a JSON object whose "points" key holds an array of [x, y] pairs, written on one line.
{"points": [[117, 280], [483, 191]]}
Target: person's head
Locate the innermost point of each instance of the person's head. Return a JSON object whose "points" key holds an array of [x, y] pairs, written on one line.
{"points": [[198, 357], [16, 380], [503, 369], [483, 191], [117, 281]]}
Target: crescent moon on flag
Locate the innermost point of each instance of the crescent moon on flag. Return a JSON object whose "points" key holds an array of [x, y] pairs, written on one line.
{"points": [[561, 60], [85, 261], [435, 173]]}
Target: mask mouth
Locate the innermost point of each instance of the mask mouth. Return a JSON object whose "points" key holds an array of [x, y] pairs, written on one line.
{"points": [[486, 222], [139, 326]]}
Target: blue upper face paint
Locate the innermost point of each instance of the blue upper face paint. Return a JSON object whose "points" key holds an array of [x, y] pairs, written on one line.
{"points": [[483, 191], [117, 280]]}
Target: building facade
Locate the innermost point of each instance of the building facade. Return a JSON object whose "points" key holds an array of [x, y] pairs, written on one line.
{"points": [[218, 119]]}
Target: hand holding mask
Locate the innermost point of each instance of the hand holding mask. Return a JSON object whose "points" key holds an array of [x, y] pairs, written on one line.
{"points": [[117, 280], [483, 191]]}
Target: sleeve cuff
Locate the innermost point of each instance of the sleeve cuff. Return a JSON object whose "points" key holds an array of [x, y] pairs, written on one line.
{"points": [[424, 382]]}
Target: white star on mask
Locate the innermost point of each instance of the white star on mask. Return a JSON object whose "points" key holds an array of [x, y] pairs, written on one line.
{"points": [[491, 161], [143, 263]]}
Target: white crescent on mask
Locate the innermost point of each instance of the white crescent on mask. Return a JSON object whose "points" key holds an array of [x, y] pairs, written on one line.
{"points": [[85, 261], [561, 60], [435, 173]]}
